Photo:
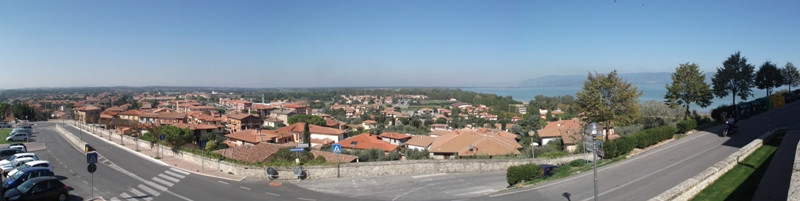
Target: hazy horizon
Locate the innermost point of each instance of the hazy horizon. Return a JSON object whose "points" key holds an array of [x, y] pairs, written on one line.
{"points": [[331, 44]]}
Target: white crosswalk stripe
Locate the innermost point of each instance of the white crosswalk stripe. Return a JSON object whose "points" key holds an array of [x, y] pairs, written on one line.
{"points": [[125, 195], [114, 199], [180, 176], [168, 178], [179, 171], [153, 193], [140, 195], [159, 180], [154, 185]]}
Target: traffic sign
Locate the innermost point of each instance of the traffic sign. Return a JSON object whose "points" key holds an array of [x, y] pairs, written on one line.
{"points": [[91, 157], [302, 145], [92, 168], [162, 137], [272, 172], [203, 144], [296, 149], [337, 148]]}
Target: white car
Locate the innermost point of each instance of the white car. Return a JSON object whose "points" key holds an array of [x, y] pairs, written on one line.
{"points": [[7, 164], [36, 163], [19, 147]]}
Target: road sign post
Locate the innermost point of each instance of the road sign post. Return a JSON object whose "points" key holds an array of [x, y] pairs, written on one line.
{"points": [[91, 157], [161, 138], [203, 163], [337, 149], [92, 168]]}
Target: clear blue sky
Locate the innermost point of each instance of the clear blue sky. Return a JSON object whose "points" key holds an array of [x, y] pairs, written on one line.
{"points": [[377, 43]]}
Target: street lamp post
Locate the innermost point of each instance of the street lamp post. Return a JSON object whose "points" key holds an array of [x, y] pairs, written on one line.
{"points": [[593, 129]]}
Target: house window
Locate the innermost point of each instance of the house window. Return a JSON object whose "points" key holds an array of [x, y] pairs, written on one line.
{"points": [[353, 143]]}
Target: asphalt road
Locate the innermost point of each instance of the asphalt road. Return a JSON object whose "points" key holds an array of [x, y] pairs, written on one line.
{"points": [[649, 174], [123, 175]]}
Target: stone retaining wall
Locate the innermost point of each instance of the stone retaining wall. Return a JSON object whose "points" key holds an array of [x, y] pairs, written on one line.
{"points": [[794, 185], [688, 189], [352, 170]]}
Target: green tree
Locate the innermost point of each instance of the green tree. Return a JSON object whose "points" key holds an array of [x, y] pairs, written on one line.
{"points": [[23, 111], [734, 78], [176, 137], [306, 134], [768, 77], [609, 99], [312, 119], [688, 86], [790, 75]]}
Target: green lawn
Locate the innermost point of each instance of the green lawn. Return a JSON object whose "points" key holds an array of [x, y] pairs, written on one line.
{"points": [[741, 182], [4, 134]]}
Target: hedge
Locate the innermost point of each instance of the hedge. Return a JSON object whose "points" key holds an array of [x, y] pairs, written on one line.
{"points": [[686, 125], [640, 140], [526, 172]]}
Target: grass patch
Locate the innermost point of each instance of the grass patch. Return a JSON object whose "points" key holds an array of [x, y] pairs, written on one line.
{"points": [[741, 182], [4, 132], [679, 136]]}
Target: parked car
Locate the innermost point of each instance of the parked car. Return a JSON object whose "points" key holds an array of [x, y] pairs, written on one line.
{"points": [[36, 163], [7, 164], [18, 144], [39, 188], [19, 147], [18, 136], [547, 169], [8, 152], [5, 125], [24, 175]]}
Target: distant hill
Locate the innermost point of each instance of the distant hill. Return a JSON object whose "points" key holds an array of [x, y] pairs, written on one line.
{"points": [[661, 78]]}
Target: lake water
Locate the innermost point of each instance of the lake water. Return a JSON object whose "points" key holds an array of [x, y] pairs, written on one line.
{"points": [[649, 92]]}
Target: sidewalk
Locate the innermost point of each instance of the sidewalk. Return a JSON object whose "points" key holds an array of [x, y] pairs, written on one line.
{"points": [[153, 152], [776, 181]]}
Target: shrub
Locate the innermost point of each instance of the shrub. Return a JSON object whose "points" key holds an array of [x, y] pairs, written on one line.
{"points": [[527, 172], [686, 125], [716, 112], [576, 163], [640, 140]]}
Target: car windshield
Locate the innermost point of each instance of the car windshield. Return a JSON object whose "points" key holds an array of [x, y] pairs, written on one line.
{"points": [[23, 166], [24, 187], [17, 175]]}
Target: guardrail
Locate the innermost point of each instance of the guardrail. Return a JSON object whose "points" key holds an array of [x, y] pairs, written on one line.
{"points": [[688, 189]]}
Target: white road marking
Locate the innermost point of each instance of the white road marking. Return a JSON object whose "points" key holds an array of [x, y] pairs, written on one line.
{"points": [[179, 176], [159, 180], [85, 182], [180, 171], [137, 193], [272, 194], [169, 178], [115, 199], [154, 185], [309, 199], [126, 196], [179, 196], [652, 173], [152, 192], [223, 182], [401, 195], [428, 175], [245, 188]]}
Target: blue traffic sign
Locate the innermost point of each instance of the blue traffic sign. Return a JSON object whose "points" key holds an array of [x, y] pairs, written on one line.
{"points": [[162, 136], [91, 157], [203, 144], [296, 150], [336, 148]]}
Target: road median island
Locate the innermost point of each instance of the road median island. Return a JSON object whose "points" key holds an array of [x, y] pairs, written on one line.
{"points": [[689, 188]]}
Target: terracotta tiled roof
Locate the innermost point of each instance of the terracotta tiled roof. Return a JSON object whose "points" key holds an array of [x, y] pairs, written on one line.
{"points": [[482, 144], [321, 141], [421, 140], [257, 153], [172, 115], [367, 141], [131, 113], [241, 116], [558, 128], [331, 157], [314, 129], [370, 122], [393, 135], [438, 133], [251, 136], [88, 108]]}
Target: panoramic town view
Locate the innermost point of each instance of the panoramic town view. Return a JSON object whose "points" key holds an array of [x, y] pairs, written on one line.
{"points": [[399, 100]]}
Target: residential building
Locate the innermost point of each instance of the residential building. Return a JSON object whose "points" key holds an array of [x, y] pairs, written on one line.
{"points": [[88, 114], [367, 141], [282, 115], [472, 143], [242, 121], [564, 130], [395, 138], [369, 124], [419, 142], [317, 132], [256, 136]]}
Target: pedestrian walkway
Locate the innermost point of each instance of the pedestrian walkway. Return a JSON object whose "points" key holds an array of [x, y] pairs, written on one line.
{"points": [[154, 187], [154, 152], [776, 181]]}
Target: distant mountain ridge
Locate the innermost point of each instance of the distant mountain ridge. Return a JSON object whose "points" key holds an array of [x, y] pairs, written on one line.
{"points": [[660, 78]]}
